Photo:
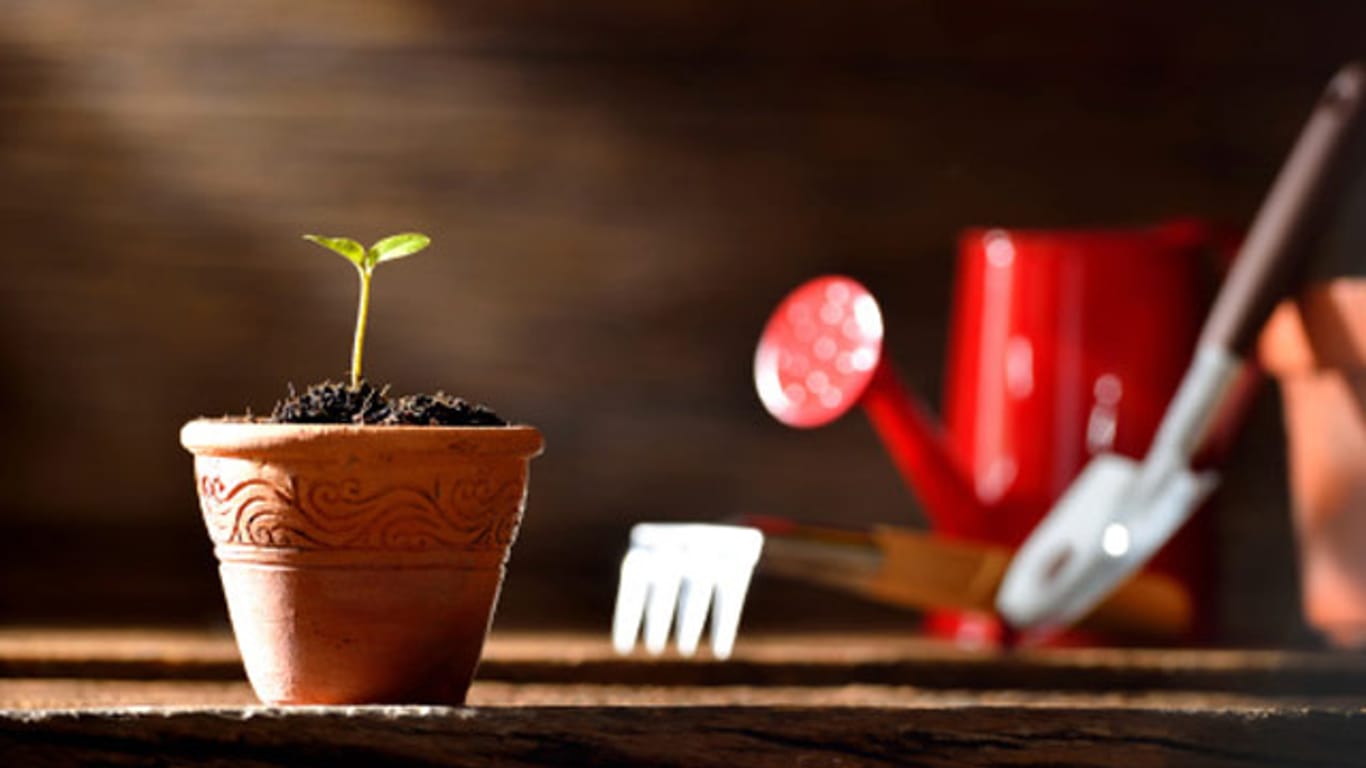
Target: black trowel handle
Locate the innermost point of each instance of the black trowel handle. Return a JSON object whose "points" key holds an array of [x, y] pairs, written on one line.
{"points": [[1270, 263]]}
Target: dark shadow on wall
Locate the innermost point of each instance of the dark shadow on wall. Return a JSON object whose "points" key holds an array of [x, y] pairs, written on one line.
{"points": [[102, 333]]}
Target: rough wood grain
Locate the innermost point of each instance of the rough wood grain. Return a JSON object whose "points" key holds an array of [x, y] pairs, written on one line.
{"points": [[85, 693], [690, 736], [784, 700], [815, 660]]}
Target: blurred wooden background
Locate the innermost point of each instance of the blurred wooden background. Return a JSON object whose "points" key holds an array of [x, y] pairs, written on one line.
{"points": [[618, 193]]}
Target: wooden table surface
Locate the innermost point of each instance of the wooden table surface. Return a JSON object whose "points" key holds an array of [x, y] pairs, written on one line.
{"points": [[134, 697]]}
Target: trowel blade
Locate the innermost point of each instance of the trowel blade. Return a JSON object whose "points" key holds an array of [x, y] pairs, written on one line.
{"points": [[1108, 524]]}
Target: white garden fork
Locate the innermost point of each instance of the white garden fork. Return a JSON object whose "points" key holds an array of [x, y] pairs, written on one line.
{"points": [[678, 573]]}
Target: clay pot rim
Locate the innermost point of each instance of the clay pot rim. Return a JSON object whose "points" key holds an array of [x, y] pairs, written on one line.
{"points": [[1321, 329], [238, 436]]}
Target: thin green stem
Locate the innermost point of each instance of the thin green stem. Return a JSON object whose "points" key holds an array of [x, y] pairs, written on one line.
{"points": [[361, 312]]}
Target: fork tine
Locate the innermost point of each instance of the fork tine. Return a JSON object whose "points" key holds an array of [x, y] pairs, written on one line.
{"points": [[694, 599], [631, 594], [665, 575], [731, 587]]}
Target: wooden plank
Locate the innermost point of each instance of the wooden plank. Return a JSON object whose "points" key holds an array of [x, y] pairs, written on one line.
{"points": [[818, 699], [688, 736], [816, 660], [838, 659], [86, 694], [119, 653]]}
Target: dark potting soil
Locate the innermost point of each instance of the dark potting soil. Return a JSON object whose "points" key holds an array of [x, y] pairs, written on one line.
{"points": [[442, 409], [335, 403]]}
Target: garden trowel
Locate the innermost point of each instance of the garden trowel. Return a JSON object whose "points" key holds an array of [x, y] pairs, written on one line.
{"points": [[1119, 512]]}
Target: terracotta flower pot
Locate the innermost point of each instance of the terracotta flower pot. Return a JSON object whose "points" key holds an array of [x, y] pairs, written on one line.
{"points": [[1316, 347], [360, 564]]}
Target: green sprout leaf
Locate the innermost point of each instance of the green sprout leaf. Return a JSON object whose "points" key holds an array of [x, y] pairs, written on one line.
{"points": [[388, 249], [396, 247], [352, 250]]}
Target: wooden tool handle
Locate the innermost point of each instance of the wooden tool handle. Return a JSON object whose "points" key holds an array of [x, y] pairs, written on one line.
{"points": [[1148, 605], [927, 571], [1269, 264], [919, 570]]}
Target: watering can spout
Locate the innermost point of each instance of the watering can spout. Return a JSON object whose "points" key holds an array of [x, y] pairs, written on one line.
{"points": [[821, 355], [916, 443]]}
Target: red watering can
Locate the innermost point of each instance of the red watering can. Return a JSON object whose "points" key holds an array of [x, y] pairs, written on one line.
{"points": [[1062, 344]]}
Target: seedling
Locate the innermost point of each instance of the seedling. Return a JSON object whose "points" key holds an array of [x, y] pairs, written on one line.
{"points": [[366, 259]]}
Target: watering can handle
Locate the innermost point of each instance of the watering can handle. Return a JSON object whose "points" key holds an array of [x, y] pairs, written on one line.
{"points": [[1268, 264]]}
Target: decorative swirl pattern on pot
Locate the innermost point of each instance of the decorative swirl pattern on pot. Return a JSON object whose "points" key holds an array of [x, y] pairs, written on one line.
{"points": [[472, 508]]}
